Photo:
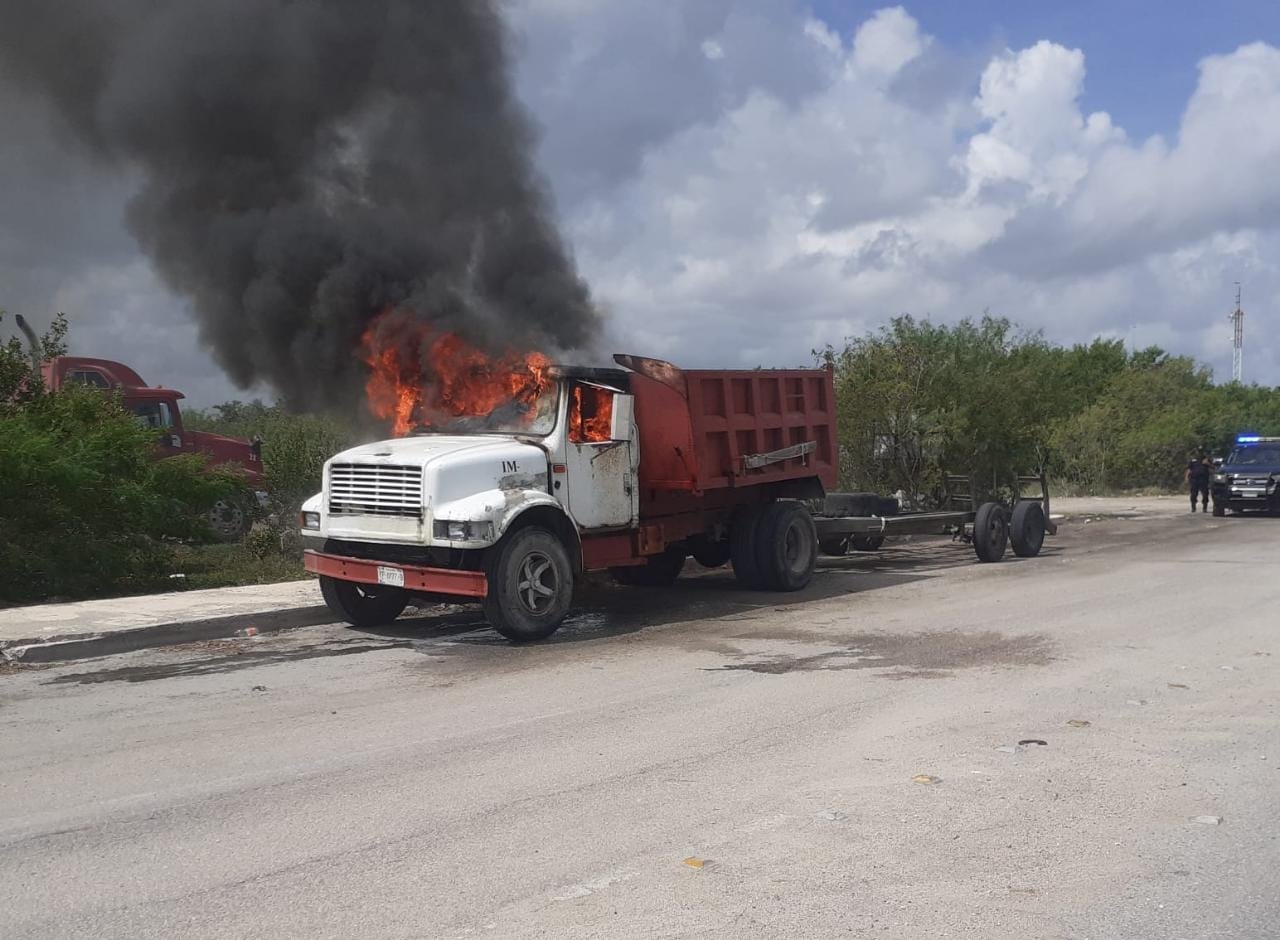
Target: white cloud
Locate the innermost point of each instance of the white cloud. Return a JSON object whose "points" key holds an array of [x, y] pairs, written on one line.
{"points": [[887, 42], [1037, 135], [786, 214]]}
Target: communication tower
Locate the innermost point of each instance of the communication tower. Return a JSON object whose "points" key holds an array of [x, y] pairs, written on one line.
{"points": [[1237, 343]]}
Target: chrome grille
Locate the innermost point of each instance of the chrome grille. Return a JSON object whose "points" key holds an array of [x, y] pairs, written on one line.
{"points": [[375, 490], [1249, 481]]}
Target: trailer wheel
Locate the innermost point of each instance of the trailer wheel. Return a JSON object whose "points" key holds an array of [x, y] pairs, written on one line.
{"points": [[742, 547], [363, 605], [786, 546], [990, 532], [1026, 529], [530, 586], [661, 571], [836, 547], [866, 542]]}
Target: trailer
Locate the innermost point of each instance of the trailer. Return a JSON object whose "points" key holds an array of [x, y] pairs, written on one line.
{"points": [[844, 524]]}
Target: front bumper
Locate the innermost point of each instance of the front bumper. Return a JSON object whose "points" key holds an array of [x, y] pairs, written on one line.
{"points": [[1244, 499], [417, 579]]}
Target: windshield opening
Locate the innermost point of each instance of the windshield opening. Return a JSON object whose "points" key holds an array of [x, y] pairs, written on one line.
{"points": [[1258, 455], [534, 415], [152, 414]]}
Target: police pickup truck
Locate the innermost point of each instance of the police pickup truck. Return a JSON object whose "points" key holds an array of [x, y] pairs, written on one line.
{"points": [[1249, 479]]}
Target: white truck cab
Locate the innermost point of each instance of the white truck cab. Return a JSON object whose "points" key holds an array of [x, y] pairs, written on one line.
{"points": [[438, 511]]}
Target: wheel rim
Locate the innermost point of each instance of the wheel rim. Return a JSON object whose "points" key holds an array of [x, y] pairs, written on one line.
{"points": [[538, 583], [226, 518]]}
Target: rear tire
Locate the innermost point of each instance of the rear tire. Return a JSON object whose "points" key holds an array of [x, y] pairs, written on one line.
{"points": [[786, 546], [530, 586], [1027, 528], [742, 547], [363, 605], [661, 571], [990, 532]]}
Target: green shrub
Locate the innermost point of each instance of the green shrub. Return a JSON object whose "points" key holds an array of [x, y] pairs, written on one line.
{"points": [[87, 508]]}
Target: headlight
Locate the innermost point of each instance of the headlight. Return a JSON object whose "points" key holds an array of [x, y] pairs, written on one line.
{"points": [[309, 520], [464, 531], [1219, 478]]}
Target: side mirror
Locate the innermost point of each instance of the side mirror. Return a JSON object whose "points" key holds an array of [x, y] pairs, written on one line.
{"points": [[623, 419]]}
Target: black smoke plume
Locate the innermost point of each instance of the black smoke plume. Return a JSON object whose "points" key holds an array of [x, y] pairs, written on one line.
{"points": [[306, 164]]}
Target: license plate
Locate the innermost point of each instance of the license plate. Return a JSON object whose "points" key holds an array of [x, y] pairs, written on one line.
{"points": [[392, 576]]}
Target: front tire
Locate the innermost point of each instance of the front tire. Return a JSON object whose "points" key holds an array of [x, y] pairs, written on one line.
{"points": [[530, 586], [363, 605]]}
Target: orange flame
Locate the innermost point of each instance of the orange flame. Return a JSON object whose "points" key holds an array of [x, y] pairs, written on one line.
{"points": [[419, 377], [591, 415]]}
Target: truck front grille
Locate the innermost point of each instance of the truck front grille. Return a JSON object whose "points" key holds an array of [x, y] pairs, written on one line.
{"points": [[374, 490], [1251, 481]]}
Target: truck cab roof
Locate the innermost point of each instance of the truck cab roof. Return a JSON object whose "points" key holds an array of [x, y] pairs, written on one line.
{"points": [[97, 373]]}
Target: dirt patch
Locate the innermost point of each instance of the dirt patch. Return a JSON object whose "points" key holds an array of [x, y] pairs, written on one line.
{"points": [[911, 656]]}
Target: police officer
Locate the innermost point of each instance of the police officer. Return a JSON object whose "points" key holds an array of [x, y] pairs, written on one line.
{"points": [[1198, 473]]}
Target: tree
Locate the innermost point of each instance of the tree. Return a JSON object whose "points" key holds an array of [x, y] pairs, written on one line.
{"points": [[917, 400]]}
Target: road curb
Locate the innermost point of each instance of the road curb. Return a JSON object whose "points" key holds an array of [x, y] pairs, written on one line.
{"points": [[89, 645]]}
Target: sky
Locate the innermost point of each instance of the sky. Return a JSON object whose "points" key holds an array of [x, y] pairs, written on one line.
{"points": [[743, 182]]}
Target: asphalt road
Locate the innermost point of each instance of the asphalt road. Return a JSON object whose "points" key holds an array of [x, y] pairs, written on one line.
{"points": [[431, 781]]}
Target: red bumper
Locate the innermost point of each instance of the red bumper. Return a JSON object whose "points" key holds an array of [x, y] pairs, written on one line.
{"points": [[425, 580]]}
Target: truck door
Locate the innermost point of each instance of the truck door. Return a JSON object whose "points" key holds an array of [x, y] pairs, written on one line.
{"points": [[601, 457]]}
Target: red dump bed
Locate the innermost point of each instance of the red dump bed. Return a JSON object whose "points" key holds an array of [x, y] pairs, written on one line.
{"points": [[711, 429]]}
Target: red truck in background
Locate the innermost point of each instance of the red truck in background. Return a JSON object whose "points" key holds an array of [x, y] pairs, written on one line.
{"points": [[157, 408]]}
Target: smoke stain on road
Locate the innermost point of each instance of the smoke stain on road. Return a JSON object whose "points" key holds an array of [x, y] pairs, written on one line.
{"points": [[903, 656]]}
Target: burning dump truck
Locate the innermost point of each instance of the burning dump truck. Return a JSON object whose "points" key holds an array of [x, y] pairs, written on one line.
{"points": [[511, 483], [506, 490]]}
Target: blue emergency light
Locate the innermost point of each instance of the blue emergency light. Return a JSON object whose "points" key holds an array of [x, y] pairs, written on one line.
{"points": [[1248, 439]]}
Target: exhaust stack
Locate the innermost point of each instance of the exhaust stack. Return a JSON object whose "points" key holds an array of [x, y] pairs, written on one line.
{"points": [[37, 355]]}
